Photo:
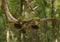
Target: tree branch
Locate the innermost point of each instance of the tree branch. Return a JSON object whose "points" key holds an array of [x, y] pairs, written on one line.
{"points": [[28, 5], [7, 12]]}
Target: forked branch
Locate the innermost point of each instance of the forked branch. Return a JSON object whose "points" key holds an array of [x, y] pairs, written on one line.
{"points": [[14, 20]]}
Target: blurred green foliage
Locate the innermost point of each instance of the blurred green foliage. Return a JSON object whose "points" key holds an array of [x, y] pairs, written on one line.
{"points": [[45, 32]]}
